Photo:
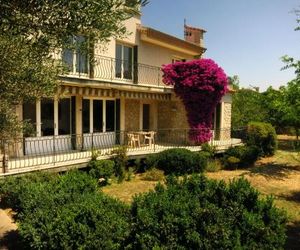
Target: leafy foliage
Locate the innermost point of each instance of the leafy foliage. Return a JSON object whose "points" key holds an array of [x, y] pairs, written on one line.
{"points": [[263, 136], [240, 156], [197, 213], [92, 221], [153, 174], [178, 161], [210, 149], [65, 212], [246, 107], [200, 84], [120, 158], [102, 169]]}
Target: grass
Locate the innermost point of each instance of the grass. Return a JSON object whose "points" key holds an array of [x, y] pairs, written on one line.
{"points": [[278, 176]]}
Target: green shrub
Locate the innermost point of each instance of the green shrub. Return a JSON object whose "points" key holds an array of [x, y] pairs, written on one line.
{"points": [[263, 136], [102, 169], [120, 159], [211, 150], [153, 175], [12, 187], [240, 157], [33, 191], [93, 221], [213, 165], [178, 161], [197, 213]]}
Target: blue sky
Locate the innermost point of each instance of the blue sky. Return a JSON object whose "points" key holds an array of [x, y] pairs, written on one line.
{"points": [[245, 37]]}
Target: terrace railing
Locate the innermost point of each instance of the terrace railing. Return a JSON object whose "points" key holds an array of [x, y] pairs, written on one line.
{"points": [[115, 70], [26, 153]]}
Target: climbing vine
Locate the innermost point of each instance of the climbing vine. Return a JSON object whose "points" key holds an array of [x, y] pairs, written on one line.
{"points": [[200, 84]]}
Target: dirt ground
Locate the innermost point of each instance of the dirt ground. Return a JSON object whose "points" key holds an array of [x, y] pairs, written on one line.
{"points": [[8, 230]]}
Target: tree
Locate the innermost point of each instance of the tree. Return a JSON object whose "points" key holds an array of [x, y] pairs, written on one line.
{"points": [[272, 101], [247, 106], [291, 105], [32, 30], [200, 84], [234, 81]]}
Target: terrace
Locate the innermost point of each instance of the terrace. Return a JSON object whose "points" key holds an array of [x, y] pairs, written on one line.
{"points": [[61, 153]]}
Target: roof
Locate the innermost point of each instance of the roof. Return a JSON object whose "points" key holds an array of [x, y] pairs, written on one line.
{"points": [[165, 40]]}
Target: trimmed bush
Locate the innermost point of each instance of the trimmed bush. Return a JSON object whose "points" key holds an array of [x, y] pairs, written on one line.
{"points": [[120, 158], [213, 165], [240, 157], [197, 213], [13, 187], [153, 175], [102, 169], [93, 221], [211, 150], [263, 136], [178, 161], [48, 191]]}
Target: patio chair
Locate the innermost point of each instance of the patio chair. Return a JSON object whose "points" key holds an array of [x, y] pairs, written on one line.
{"points": [[150, 138], [133, 140]]}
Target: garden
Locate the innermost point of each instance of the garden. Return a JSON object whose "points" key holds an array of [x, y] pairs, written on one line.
{"points": [[174, 199]]}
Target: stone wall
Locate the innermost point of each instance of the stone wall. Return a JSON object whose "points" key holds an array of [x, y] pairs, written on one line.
{"points": [[226, 124], [171, 114], [132, 115]]}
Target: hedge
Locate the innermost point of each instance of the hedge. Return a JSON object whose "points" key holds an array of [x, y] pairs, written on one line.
{"points": [[263, 136], [178, 161], [240, 157], [197, 213]]}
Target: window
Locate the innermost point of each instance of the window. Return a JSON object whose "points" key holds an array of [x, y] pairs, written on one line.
{"points": [[76, 59], [85, 115], [47, 117], [124, 61], [97, 116], [177, 59], [64, 116], [110, 116]]}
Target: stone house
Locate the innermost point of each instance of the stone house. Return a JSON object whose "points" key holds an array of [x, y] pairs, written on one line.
{"points": [[117, 89]]}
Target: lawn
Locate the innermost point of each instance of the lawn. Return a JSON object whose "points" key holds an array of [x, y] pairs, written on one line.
{"points": [[278, 176]]}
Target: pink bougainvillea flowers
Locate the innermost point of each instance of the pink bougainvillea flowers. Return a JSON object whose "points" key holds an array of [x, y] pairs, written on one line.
{"points": [[200, 84]]}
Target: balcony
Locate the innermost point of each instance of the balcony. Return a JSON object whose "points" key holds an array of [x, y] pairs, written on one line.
{"points": [[112, 70]]}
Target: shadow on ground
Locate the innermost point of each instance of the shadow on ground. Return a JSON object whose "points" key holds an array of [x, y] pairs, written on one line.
{"points": [[11, 241], [274, 170], [293, 236], [293, 196]]}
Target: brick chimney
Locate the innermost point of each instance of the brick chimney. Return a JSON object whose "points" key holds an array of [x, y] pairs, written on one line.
{"points": [[194, 35]]}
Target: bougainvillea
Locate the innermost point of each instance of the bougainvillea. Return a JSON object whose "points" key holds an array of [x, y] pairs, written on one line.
{"points": [[200, 84]]}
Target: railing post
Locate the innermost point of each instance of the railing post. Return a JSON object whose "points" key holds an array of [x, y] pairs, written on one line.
{"points": [[54, 150], [92, 142], [158, 71], [111, 69]]}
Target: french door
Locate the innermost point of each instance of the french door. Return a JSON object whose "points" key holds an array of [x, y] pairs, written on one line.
{"points": [[98, 123], [52, 125]]}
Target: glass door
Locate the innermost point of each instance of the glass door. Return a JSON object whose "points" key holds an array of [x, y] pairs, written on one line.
{"points": [[124, 62]]}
